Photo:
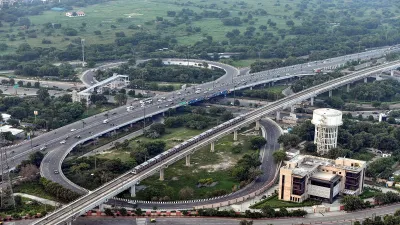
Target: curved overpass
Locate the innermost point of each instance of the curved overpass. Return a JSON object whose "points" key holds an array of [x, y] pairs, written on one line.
{"points": [[125, 181], [16, 154]]}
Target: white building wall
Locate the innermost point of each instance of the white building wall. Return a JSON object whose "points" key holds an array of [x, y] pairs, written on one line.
{"points": [[319, 191]]}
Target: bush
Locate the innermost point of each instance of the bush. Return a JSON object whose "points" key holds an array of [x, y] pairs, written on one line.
{"points": [[108, 212]]}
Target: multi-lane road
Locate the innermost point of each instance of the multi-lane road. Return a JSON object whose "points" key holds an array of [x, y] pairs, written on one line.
{"points": [[124, 181], [93, 126]]}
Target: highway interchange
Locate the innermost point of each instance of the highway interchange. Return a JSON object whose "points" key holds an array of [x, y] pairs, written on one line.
{"points": [[120, 116]]}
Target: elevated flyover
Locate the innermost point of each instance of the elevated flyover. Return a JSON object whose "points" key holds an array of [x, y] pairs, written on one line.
{"points": [[96, 197]]}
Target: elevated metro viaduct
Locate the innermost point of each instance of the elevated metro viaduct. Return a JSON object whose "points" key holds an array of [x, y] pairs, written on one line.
{"points": [[127, 180]]}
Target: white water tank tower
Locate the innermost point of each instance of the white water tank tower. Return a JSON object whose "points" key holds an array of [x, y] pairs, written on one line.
{"points": [[326, 123]]}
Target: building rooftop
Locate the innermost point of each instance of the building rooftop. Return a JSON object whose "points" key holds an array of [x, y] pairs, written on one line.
{"points": [[302, 165], [9, 128], [324, 176]]}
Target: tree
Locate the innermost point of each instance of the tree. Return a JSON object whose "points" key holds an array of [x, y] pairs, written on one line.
{"points": [[30, 172], [268, 211], [236, 102], [42, 94], [352, 203], [226, 116], [36, 85], [186, 193], [120, 98], [289, 140], [36, 158], [108, 212], [154, 147], [158, 127], [131, 93], [257, 142], [279, 155], [310, 147]]}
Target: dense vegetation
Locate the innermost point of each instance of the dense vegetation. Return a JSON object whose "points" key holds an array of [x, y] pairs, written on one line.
{"points": [[258, 29], [53, 112], [154, 70]]}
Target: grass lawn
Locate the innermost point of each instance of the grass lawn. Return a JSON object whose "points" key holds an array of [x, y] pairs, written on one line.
{"points": [[277, 89], [123, 13], [275, 203], [33, 188], [204, 164], [27, 206], [369, 193]]}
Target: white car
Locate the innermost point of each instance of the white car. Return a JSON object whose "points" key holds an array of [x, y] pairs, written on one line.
{"points": [[72, 130], [170, 100], [179, 93], [43, 148], [63, 142]]}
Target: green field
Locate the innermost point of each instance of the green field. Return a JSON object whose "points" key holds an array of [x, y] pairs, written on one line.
{"points": [[33, 188], [123, 13], [204, 164]]}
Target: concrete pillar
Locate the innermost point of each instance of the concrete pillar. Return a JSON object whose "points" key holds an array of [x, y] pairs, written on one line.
{"points": [[365, 80], [251, 88], [212, 146], [348, 88], [257, 125], [292, 108], [392, 73], [163, 114], [101, 207], [312, 101], [278, 115], [133, 191], [131, 125], [188, 159], [69, 223], [330, 93], [272, 84], [162, 174], [235, 135]]}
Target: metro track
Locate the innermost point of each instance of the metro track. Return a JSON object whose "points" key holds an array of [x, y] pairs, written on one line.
{"points": [[108, 190]]}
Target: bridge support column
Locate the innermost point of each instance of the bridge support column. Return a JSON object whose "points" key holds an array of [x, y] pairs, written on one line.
{"points": [[69, 223], [251, 88], [101, 207], [257, 125], [162, 174], [163, 114], [133, 191], [212, 146], [188, 160], [365, 80], [272, 83], [330, 93], [348, 88], [235, 135], [292, 108], [312, 101], [392, 73], [131, 125], [278, 115]]}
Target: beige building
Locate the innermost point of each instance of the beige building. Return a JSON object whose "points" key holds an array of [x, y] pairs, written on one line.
{"points": [[307, 176]]}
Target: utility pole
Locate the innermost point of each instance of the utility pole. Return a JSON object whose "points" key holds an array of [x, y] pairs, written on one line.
{"points": [[6, 195], [83, 52]]}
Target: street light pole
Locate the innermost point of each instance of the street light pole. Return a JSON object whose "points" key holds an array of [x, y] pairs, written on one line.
{"points": [[144, 117]]}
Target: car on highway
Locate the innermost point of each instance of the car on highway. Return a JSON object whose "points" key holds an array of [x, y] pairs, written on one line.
{"points": [[56, 172], [179, 93], [170, 100], [152, 220], [72, 130], [43, 148], [63, 142], [78, 136], [105, 121]]}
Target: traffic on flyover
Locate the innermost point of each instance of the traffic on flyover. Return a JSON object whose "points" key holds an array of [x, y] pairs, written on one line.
{"points": [[123, 182]]}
